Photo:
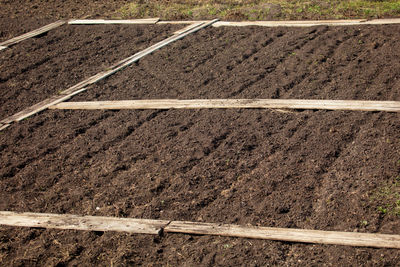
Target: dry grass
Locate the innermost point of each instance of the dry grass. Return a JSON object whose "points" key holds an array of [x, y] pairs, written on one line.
{"points": [[259, 9]]}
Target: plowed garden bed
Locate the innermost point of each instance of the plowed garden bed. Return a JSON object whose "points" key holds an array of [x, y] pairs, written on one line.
{"points": [[330, 170]]}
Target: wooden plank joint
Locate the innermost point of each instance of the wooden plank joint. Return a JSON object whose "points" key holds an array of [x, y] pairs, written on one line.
{"points": [[156, 227]]}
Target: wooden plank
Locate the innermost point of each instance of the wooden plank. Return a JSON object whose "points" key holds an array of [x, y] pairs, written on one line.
{"points": [[181, 21], [114, 21], [383, 21], [3, 126], [188, 28], [33, 33], [308, 23], [73, 90], [390, 106], [35, 109], [136, 57], [286, 234], [146, 226], [88, 223]]}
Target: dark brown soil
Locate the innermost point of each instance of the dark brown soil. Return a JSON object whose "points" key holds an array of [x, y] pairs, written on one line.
{"points": [[64, 57], [301, 169], [318, 62], [20, 16]]}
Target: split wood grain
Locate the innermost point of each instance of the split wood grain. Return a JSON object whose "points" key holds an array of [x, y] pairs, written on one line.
{"points": [[33, 33], [358, 105]]}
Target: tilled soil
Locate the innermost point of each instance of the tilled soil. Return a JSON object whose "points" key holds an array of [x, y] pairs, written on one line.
{"points": [[299, 169], [38, 68], [20, 16]]}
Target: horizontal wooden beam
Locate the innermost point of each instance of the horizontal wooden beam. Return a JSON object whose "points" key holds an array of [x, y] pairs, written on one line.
{"points": [[304, 23], [146, 226], [114, 21], [383, 21], [32, 33], [180, 21], [391, 106], [286, 234], [308, 23], [88, 223]]}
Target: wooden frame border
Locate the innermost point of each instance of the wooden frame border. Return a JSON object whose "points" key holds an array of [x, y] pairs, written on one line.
{"points": [[157, 227], [389, 106], [112, 21], [81, 86]]}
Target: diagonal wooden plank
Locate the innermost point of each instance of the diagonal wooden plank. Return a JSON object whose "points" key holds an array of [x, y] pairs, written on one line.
{"points": [[286, 234], [66, 94], [33, 33], [3, 126], [114, 21], [390, 106], [88, 223], [136, 57], [188, 28], [35, 108]]}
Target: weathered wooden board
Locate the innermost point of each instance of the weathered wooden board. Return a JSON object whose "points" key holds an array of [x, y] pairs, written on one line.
{"points": [[35, 108], [286, 234], [3, 126], [188, 28], [391, 106], [383, 21], [88, 223], [146, 226], [33, 33], [304, 23], [136, 57], [180, 21], [114, 21], [307, 23]]}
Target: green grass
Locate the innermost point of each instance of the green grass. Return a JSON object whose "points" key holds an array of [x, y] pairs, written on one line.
{"points": [[386, 199], [259, 9]]}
